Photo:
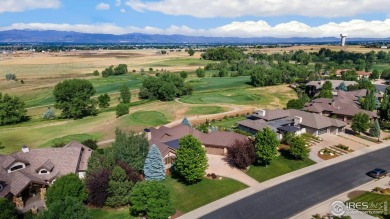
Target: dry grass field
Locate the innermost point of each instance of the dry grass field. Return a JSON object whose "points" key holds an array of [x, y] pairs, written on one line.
{"points": [[315, 48]]}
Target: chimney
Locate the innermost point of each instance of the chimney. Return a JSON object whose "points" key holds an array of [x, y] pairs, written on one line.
{"points": [[148, 134], [297, 120], [25, 149], [261, 112]]}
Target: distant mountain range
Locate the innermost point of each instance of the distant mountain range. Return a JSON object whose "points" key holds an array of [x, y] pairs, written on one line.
{"points": [[50, 36]]}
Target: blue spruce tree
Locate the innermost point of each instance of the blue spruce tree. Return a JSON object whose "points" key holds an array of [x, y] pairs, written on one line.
{"points": [[154, 168], [186, 122]]}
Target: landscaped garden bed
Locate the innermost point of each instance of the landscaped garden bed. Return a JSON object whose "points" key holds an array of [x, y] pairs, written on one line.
{"points": [[327, 154]]}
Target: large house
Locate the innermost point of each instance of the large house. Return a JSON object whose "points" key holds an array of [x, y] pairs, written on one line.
{"points": [[27, 174], [343, 106], [314, 87], [291, 121], [167, 140], [360, 74]]}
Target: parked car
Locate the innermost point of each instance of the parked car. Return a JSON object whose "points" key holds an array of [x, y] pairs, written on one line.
{"points": [[377, 173]]}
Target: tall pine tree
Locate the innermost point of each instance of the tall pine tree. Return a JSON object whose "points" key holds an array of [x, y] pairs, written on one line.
{"points": [[154, 168], [375, 130], [119, 188]]}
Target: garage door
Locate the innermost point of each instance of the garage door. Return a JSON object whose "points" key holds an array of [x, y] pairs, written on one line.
{"points": [[214, 150], [322, 131]]}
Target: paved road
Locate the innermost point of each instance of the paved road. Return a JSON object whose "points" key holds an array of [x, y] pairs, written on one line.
{"points": [[294, 196]]}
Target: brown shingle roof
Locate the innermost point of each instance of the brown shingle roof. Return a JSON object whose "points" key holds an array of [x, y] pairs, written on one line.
{"points": [[72, 158]]}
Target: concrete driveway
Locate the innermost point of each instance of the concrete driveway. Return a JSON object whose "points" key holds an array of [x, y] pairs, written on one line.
{"points": [[221, 167]]}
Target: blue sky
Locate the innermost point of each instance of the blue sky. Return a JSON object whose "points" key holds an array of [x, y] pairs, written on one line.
{"points": [[243, 18]]}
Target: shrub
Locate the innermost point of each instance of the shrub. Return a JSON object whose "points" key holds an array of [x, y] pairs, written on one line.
{"points": [[151, 199], [58, 144], [183, 74], [96, 73], [68, 207], [21, 81], [10, 77], [242, 153], [150, 69], [200, 73], [7, 209], [91, 143], [213, 176], [104, 100]]}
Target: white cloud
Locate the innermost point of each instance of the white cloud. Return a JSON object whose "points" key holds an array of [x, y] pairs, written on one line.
{"points": [[23, 5], [102, 6], [123, 10], [354, 28], [261, 8], [118, 3]]}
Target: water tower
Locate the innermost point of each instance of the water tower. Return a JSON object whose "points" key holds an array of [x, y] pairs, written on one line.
{"points": [[343, 38]]}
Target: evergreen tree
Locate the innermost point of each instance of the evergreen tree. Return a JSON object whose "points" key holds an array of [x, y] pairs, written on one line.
{"points": [[375, 130], [154, 168], [298, 148], [125, 94], [342, 87], [119, 188], [130, 148], [191, 160], [385, 108], [266, 146], [370, 101], [49, 114], [186, 122], [151, 199], [360, 122], [325, 94], [327, 86]]}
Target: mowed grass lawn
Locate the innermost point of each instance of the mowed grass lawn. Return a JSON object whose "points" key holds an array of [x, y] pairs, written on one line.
{"points": [[205, 110], [373, 198], [281, 165], [149, 118], [202, 84], [184, 197], [189, 197]]}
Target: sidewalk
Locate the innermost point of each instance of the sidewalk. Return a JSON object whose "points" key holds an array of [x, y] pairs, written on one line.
{"points": [[197, 213]]}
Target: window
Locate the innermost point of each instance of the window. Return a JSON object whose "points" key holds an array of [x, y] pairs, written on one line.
{"points": [[169, 160], [1, 187], [17, 167], [43, 171]]}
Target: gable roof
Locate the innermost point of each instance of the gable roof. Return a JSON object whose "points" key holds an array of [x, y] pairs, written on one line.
{"points": [[167, 139], [71, 158], [335, 83]]}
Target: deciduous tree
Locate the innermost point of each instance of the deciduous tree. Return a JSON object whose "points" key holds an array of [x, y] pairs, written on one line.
{"points": [[151, 199], [97, 187], [66, 186], [266, 146], [360, 122], [125, 94], [191, 160], [12, 109], [242, 153], [73, 97], [104, 100], [122, 109], [298, 148]]}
